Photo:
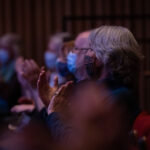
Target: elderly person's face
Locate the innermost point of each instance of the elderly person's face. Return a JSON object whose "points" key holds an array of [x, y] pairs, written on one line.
{"points": [[51, 53], [76, 57], [61, 63]]}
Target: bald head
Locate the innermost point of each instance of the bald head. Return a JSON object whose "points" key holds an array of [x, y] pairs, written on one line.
{"points": [[82, 40]]}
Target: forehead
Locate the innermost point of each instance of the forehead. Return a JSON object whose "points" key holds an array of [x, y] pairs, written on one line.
{"points": [[82, 40]]}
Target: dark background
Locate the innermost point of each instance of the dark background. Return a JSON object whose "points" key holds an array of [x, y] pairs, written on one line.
{"points": [[36, 20]]}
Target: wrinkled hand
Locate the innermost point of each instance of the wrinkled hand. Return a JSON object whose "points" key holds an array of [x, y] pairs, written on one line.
{"points": [[19, 67], [23, 108], [45, 91], [25, 105], [31, 71], [58, 101]]}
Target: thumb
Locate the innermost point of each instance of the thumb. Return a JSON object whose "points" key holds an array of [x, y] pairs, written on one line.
{"points": [[56, 82], [42, 68]]}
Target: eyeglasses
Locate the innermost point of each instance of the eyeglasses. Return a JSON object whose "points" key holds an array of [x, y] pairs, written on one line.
{"points": [[82, 49]]}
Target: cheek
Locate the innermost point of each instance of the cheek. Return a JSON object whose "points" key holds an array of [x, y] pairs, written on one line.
{"points": [[80, 59]]}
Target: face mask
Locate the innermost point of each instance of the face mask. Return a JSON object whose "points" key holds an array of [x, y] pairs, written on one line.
{"points": [[50, 60], [92, 69], [4, 56], [71, 62], [62, 68]]}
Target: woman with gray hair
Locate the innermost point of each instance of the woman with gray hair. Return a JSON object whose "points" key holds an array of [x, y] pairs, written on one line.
{"points": [[117, 52], [114, 58]]}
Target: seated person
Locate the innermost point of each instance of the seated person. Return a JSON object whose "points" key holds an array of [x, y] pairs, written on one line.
{"points": [[9, 86], [110, 55], [52, 52], [61, 63]]}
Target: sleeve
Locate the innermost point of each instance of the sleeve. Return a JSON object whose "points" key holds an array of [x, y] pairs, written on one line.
{"points": [[58, 128]]}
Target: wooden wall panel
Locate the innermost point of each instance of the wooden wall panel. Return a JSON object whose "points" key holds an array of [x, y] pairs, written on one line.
{"points": [[36, 20]]}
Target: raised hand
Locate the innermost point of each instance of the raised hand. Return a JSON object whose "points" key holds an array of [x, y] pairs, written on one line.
{"points": [[22, 108], [45, 91], [24, 105], [18, 65], [30, 72], [58, 101]]}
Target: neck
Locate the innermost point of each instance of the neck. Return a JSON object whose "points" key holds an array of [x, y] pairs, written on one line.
{"points": [[81, 75]]}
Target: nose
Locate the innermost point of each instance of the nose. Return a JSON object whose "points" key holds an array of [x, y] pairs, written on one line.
{"points": [[90, 53]]}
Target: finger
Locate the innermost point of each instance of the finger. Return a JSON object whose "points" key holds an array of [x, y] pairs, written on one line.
{"points": [[42, 79], [41, 75], [48, 75], [13, 109], [61, 90], [19, 60], [56, 82], [18, 63], [28, 66], [24, 75], [34, 64], [66, 87], [19, 67], [42, 68], [23, 67], [68, 84]]}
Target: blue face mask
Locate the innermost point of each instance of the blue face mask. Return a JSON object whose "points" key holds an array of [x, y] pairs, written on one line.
{"points": [[50, 60], [71, 62], [4, 56]]}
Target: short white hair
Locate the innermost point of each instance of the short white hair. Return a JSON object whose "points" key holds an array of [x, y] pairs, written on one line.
{"points": [[118, 51], [106, 39]]}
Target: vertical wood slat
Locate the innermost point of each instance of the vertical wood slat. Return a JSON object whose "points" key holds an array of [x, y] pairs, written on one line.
{"points": [[73, 14], [36, 20], [52, 16], [58, 14], [8, 15], [86, 12], [78, 11], [47, 16], [1, 17], [92, 13], [19, 18], [39, 21], [132, 12], [67, 12], [28, 37], [20, 24], [127, 23]]}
